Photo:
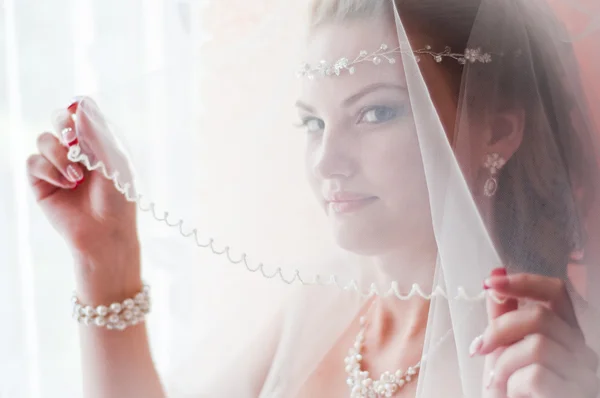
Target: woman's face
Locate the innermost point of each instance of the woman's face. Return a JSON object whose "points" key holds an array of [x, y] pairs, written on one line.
{"points": [[363, 157]]}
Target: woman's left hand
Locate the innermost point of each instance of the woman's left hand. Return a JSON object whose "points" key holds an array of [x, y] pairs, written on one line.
{"points": [[537, 350]]}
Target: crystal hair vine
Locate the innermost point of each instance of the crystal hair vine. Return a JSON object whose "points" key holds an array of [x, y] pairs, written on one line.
{"points": [[384, 53], [75, 155]]}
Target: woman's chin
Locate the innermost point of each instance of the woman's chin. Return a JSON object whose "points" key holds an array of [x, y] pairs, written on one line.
{"points": [[365, 241]]}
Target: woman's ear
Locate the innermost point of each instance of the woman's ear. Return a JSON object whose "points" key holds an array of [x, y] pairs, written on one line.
{"points": [[505, 133]]}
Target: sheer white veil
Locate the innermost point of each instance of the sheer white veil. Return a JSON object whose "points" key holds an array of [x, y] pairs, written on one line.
{"points": [[474, 147]]}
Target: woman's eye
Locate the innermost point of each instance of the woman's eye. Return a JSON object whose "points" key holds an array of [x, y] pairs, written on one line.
{"points": [[313, 125], [379, 114]]}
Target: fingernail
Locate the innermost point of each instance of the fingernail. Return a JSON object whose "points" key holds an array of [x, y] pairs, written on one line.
{"points": [[490, 379], [68, 183], [69, 136], [74, 173], [495, 282], [476, 345], [499, 271], [73, 106], [497, 298]]}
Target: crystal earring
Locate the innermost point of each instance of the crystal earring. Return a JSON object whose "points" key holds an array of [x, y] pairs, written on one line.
{"points": [[494, 163]]}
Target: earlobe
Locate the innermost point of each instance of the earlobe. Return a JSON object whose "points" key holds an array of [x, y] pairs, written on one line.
{"points": [[506, 133]]}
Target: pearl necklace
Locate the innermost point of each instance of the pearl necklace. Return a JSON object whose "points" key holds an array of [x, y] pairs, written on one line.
{"points": [[360, 383]]}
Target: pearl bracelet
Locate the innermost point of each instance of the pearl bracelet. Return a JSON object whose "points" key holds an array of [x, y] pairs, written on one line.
{"points": [[117, 316]]}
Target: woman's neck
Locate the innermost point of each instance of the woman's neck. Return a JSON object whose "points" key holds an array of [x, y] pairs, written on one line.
{"points": [[413, 264], [395, 334], [394, 319], [397, 322]]}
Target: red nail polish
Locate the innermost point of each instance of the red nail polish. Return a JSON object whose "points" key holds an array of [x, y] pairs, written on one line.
{"points": [[499, 272], [80, 182], [485, 286], [73, 107]]}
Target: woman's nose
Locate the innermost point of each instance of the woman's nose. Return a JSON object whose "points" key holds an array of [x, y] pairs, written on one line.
{"points": [[335, 156]]}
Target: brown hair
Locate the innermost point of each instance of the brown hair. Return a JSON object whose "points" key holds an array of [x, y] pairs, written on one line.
{"points": [[544, 189]]}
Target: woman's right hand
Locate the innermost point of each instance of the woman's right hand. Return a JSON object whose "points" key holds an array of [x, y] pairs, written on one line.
{"points": [[96, 220]]}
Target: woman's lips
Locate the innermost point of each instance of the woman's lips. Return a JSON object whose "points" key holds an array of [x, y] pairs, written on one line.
{"points": [[348, 203]]}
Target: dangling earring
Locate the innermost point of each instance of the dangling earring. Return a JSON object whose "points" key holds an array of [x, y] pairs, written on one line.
{"points": [[494, 163]]}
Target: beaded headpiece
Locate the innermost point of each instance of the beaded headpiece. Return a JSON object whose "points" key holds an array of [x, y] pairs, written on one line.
{"points": [[384, 53]]}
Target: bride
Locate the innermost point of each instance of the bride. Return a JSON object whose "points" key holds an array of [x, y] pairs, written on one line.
{"points": [[449, 145]]}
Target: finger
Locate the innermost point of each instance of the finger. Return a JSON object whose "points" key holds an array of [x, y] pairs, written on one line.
{"points": [[44, 178], [69, 137], [539, 288], [51, 149], [514, 326], [93, 127], [94, 136], [553, 292], [90, 126], [536, 381], [498, 305], [538, 349]]}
